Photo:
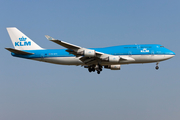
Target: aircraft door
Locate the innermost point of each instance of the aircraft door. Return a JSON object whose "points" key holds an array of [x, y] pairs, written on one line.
{"points": [[138, 47], [42, 57], [152, 52]]}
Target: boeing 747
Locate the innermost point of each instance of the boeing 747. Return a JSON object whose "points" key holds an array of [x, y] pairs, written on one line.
{"points": [[94, 59]]}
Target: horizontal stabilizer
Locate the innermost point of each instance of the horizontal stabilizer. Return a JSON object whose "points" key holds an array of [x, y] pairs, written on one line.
{"points": [[18, 51]]}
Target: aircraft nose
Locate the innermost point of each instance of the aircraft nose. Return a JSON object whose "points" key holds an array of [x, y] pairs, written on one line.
{"points": [[172, 54]]}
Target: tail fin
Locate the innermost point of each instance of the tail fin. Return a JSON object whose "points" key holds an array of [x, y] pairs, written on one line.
{"points": [[21, 41]]}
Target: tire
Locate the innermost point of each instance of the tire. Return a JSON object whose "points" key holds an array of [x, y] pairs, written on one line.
{"points": [[157, 67]]}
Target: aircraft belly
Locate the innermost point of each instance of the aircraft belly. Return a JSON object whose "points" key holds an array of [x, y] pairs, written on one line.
{"points": [[62, 60], [77, 61]]}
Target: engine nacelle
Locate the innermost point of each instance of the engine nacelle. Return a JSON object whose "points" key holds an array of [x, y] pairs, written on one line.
{"points": [[87, 53], [112, 59], [113, 67]]}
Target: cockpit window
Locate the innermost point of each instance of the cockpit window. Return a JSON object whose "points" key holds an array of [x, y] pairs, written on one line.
{"points": [[161, 46]]}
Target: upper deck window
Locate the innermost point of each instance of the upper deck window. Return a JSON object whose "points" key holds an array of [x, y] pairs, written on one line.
{"points": [[161, 46], [146, 47], [130, 47]]}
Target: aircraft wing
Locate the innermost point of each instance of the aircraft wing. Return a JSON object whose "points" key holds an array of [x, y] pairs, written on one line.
{"points": [[72, 49], [62, 43], [88, 56]]}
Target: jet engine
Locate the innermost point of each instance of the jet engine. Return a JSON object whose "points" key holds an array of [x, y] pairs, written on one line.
{"points": [[113, 67], [112, 59], [87, 53]]}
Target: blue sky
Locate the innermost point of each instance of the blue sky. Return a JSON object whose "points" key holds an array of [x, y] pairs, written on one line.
{"points": [[41, 91]]}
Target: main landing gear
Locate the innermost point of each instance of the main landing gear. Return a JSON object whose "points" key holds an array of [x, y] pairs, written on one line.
{"points": [[99, 69], [157, 67], [94, 68], [91, 69]]}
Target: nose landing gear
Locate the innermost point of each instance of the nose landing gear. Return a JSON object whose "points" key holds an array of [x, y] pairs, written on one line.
{"points": [[157, 67]]}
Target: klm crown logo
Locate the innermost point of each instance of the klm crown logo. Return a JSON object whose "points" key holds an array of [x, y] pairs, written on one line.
{"points": [[144, 50], [22, 39], [23, 42]]}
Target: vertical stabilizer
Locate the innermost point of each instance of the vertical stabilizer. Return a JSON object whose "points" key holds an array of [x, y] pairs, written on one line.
{"points": [[21, 41]]}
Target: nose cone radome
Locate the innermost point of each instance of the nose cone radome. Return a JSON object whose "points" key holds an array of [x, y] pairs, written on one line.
{"points": [[171, 54]]}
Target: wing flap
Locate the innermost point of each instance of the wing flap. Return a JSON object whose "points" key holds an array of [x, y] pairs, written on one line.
{"points": [[18, 51], [87, 60]]}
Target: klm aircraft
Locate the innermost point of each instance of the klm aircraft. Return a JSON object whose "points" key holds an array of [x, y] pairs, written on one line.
{"points": [[94, 59]]}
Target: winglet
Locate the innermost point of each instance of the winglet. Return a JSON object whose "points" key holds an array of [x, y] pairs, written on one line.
{"points": [[49, 37]]}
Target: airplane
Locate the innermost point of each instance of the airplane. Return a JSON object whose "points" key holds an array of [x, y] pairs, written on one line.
{"points": [[94, 59]]}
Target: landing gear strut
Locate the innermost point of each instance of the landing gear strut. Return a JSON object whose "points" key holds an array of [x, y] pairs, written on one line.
{"points": [[157, 67], [89, 69], [99, 69]]}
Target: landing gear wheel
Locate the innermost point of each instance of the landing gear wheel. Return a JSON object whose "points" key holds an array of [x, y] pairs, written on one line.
{"points": [[157, 67], [89, 69], [98, 72], [99, 67]]}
